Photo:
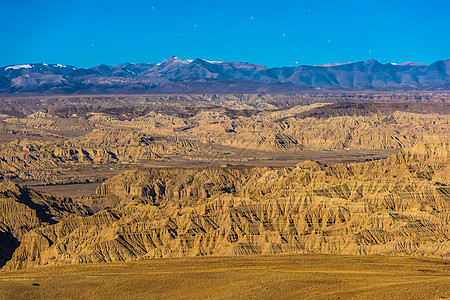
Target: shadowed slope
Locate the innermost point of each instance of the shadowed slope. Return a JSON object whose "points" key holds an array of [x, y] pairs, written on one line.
{"points": [[22, 209]]}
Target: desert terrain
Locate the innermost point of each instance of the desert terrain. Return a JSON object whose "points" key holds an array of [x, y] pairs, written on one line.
{"points": [[225, 150], [238, 277], [79, 139], [261, 193]]}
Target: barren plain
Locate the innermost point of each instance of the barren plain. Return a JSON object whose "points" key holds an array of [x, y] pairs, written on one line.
{"points": [[312, 196], [238, 277]]}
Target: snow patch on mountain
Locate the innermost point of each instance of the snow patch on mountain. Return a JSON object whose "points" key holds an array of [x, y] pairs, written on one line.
{"points": [[333, 64], [17, 67], [416, 64]]}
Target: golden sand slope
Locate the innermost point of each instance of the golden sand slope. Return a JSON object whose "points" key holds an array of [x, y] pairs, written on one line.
{"points": [[396, 206], [238, 277]]}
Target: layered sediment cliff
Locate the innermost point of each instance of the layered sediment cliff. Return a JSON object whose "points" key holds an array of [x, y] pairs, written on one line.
{"points": [[396, 206]]}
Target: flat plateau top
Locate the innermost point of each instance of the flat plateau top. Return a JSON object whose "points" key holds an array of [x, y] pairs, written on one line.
{"points": [[237, 277]]}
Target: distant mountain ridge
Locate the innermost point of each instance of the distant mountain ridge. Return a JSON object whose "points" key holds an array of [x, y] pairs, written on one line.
{"points": [[177, 75]]}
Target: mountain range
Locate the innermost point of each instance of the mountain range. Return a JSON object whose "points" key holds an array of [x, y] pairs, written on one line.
{"points": [[201, 76]]}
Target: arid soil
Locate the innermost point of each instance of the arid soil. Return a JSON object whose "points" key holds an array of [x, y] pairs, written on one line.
{"points": [[251, 183], [237, 277], [63, 140]]}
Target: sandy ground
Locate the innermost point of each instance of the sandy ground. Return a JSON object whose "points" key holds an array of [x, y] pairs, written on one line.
{"points": [[239, 277], [69, 190], [283, 159]]}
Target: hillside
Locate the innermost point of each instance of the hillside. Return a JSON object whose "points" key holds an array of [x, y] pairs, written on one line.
{"points": [[395, 206], [23, 209]]}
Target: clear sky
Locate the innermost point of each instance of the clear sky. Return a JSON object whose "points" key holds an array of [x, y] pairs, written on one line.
{"points": [[274, 33]]}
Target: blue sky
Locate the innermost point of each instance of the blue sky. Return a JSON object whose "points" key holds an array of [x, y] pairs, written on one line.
{"points": [[273, 33]]}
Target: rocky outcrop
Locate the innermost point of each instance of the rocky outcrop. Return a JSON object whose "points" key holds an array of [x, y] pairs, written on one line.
{"points": [[72, 144], [396, 206], [22, 210]]}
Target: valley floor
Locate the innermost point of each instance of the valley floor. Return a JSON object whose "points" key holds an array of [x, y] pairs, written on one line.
{"points": [[249, 277]]}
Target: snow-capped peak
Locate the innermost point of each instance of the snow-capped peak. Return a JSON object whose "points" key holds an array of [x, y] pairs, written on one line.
{"points": [[175, 59], [17, 67]]}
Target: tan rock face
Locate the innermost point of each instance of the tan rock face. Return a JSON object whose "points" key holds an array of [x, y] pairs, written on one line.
{"points": [[399, 206], [69, 139], [22, 210]]}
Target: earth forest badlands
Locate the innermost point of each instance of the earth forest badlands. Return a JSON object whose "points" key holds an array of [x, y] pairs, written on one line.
{"points": [[92, 179], [269, 170]]}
